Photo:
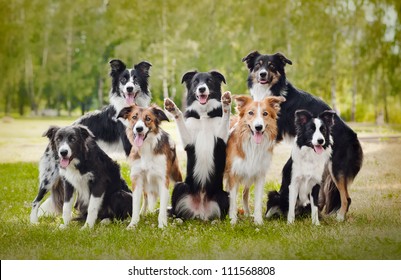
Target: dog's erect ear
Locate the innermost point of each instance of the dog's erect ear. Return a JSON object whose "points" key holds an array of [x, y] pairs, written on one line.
{"points": [[85, 132], [250, 59], [144, 67], [217, 75], [241, 101], [302, 117], [283, 59], [117, 66], [275, 102], [188, 77], [125, 112], [159, 113], [327, 117], [50, 132]]}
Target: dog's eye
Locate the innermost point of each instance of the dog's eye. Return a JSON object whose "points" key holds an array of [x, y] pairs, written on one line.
{"points": [[123, 80], [271, 67], [147, 118], [134, 117], [72, 139], [257, 66], [265, 114], [322, 129], [250, 113], [58, 139]]}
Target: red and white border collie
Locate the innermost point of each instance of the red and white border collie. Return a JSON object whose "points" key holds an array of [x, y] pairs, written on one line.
{"points": [[303, 172], [250, 151], [153, 161], [204, 133], [267, 78]]}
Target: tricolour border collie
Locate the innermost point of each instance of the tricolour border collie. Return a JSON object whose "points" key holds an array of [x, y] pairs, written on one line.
{"points": [[303, 172], [267, 78], [153, 161], [250, 150], [204, 133], [86, 169], [128, 86]]}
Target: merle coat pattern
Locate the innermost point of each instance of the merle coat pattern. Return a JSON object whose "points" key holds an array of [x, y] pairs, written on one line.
{"points": [[128, 86]]}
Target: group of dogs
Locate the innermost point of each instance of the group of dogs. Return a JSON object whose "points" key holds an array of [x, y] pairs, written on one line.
{"points": [[221, 150]]}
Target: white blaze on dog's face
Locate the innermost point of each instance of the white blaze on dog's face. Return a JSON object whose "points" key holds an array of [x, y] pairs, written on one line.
{"points": [[259, 116], [318, 140], [142, 122], [202, 93], [129, 85]]}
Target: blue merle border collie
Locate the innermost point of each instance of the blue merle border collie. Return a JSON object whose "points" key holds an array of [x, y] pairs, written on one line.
{"points": [[129, 86], [204, 130], [267, 78], [101, 192], [303, 172]]}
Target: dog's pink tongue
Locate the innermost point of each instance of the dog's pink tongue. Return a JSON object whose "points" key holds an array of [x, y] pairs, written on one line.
{"points": [[130, 99], [257, 137], [138, 141], [64, 162], [202, 99], [318, 149]]}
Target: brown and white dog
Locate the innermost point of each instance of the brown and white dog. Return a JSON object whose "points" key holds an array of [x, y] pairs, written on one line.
{"points": [[153, 161], [250, 150]]}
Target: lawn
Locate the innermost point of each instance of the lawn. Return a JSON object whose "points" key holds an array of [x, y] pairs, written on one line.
{"points": [[372, 229]]}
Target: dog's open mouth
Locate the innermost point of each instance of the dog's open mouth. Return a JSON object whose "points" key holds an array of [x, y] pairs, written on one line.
{"points": [[318, 149], [130, 98], [263, 81], [257, 136], [203, 98], [139, 138], [64, 162]]}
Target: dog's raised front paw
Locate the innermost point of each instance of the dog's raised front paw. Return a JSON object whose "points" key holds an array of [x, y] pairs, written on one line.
{"points": [[226, 98], [170, 106]]}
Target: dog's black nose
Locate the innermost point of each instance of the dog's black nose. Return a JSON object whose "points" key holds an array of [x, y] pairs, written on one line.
{"points": [[258, 127], [139, 129], [63, 153], [320, 141], [263, 74], [202, 89], [130, 89]]}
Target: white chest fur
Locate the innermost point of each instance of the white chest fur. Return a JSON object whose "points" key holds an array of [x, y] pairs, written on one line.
{"points": [[79, 181], [256, 162], [204, 132]]}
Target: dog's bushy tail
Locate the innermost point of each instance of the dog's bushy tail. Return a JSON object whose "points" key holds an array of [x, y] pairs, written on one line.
{"points": [[329, 198], [274, 204]]}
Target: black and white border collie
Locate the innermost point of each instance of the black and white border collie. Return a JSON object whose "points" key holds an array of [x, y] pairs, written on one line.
{"points": [[204, 131], [153, 161], [267, 78], [86, 170], [303, 172], [128, 86]]}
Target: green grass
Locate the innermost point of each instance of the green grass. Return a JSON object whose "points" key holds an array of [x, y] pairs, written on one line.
{"points": [[372, 231]]}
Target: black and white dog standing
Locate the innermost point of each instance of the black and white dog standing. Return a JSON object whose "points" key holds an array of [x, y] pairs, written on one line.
{"points": [[86, 169], [204, 131], [303, 172], [129, 86], [267, 78]]}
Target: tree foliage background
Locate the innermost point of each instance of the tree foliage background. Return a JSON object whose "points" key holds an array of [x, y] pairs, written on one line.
{"points": [[54, 54]]}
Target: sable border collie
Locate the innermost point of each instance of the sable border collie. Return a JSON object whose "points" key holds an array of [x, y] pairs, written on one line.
{"points": [[250, 150], [128, 86], [204, 131], [267, 78], [86, 169], [153, 161], [303, 172]]}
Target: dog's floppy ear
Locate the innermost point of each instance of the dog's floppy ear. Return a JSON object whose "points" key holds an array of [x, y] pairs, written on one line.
{"points": [[125, 112], [51, 131], [327, 117], [159, 113], [275, 102], [250, 59], [85, 132], [302, 117], [241, 101], [188, 77], [117, 66], [283, 59], [144, 67], [217, 75]]}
